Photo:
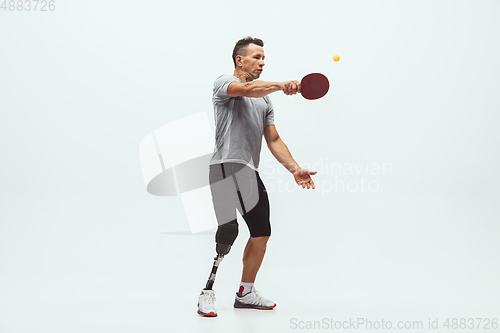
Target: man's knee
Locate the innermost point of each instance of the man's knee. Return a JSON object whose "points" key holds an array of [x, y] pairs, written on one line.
{"points": [[260, 242], [261, 239]]}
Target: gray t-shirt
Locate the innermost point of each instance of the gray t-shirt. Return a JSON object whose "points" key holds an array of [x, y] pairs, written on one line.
{"points": [[239, 124]]}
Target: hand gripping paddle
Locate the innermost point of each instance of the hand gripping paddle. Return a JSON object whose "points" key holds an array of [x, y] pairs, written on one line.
{"points": [[314, 86]]}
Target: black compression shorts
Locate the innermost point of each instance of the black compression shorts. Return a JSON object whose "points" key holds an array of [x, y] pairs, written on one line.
{"points": [[237, 186]]}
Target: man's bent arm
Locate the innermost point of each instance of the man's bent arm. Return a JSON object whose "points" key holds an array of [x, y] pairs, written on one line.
{"points": [[253, 88]]}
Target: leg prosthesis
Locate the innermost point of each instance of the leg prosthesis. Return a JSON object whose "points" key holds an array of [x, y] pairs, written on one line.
{"points": [[224, 239]]}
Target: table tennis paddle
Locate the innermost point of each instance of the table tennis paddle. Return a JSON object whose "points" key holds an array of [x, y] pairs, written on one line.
{"points": [[314, 86]]}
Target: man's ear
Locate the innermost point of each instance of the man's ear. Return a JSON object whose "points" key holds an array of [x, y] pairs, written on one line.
{"points": [[238, 60]]}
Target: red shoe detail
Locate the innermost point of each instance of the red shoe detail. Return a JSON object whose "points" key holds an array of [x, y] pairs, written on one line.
{"points": [[210, 314], [241, 289]]}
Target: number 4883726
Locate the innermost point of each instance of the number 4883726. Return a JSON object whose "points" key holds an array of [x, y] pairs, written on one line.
{"points": [[28, 5]]}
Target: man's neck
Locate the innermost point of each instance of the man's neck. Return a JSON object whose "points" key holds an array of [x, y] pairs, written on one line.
{"points": [[242, 75]]}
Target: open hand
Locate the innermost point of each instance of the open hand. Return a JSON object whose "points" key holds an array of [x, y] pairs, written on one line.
{"points": [[303, 178]]}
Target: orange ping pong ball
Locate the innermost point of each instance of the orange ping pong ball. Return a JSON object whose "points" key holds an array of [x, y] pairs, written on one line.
{"points": [[336, 58]]}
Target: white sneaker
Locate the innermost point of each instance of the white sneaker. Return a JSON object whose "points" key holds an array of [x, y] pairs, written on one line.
{"points": [[206, 306], [253, 300]]}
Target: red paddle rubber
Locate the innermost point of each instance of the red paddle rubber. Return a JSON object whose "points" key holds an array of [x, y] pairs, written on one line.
{"points": [[314, 86]]}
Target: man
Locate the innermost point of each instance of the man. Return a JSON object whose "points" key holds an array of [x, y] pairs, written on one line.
{"points": [[243, 113]]}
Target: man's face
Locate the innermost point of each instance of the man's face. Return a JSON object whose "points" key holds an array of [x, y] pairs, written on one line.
{"points": [[253, 62]]}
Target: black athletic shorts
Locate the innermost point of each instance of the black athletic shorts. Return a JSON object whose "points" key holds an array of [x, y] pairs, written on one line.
{"points": [[237, 186]]}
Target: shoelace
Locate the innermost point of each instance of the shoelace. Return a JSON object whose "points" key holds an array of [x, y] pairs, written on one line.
{"points": [[258, 297], [209, 297]]}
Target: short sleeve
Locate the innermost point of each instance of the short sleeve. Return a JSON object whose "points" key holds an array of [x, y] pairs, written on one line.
{"points": [[220, 88], [269, 112]]}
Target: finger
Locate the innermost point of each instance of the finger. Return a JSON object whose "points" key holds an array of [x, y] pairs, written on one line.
{"points": [[313, 172], [286, 88]]}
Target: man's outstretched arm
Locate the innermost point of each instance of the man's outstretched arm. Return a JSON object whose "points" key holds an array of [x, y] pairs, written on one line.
{"points": [[280, 151], [262, 88]]}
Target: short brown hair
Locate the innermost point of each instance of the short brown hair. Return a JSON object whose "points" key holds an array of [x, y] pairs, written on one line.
{"points": [[241, 46]]}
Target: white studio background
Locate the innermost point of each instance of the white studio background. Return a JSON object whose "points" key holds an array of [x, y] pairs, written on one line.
{"points": [[84, 247]]}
